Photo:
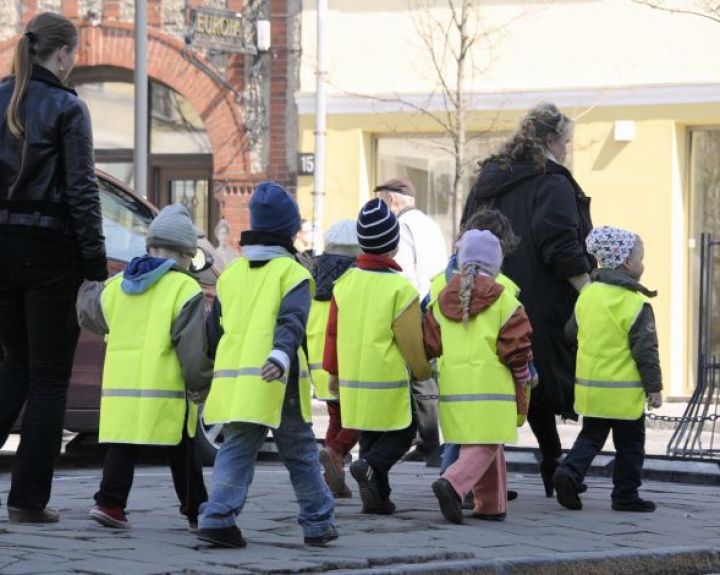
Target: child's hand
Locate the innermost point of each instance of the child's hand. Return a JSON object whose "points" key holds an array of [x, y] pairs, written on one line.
{"points": [[334, 385], [270, 371], [655, 400], [198, 397]]}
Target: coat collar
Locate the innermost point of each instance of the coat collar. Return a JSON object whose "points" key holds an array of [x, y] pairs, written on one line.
{"points": [[42, 74], [620, 279]]}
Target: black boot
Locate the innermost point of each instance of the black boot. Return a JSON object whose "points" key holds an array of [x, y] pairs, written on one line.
{"points": [[449, 500], [637, 505], [547, 468], [567, 494]]}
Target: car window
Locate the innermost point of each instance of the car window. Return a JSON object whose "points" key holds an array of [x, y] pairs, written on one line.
{"points": [[125, 222]]}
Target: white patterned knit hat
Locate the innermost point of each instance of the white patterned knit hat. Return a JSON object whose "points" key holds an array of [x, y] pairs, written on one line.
{"points": [[611, 246]]}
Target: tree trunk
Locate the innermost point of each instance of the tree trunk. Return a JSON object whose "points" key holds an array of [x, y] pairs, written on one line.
{"points": [[460, 136]]}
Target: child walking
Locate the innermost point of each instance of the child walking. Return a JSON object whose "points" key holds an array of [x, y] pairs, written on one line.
{"points": [[341, 249], [374, 337], [481, 335], [618, 367], [153, 317], [261, 379]]}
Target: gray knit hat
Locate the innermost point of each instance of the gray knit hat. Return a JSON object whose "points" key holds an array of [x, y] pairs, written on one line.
{"points": [[482, 248], [173, 229], [342, 234]]}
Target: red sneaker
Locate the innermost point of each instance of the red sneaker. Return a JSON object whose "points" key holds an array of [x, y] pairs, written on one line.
{"points": [[334, 467], [110, 517]]}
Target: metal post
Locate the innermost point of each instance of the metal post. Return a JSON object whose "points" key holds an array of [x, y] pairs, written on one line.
{"points": [[320, 130], [140, 157]]}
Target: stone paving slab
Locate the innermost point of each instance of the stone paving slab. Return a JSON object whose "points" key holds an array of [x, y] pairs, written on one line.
{"points": [[417, 539]]}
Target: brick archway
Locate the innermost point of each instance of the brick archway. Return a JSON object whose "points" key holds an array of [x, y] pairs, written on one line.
{"points": [[112, 44]]}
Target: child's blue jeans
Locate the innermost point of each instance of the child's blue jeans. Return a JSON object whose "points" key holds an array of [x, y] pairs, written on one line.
{"points": [[451, 451], [235, 467]]}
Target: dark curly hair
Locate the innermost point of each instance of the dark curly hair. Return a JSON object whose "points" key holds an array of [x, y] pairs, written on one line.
{"points": [[541, 124], [497, 224]]}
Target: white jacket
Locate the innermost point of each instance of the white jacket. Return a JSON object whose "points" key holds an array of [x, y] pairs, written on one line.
{"points": [[422, 253]]}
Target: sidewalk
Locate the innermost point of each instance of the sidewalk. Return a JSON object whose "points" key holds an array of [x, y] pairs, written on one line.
{"points": [[682, 536]]}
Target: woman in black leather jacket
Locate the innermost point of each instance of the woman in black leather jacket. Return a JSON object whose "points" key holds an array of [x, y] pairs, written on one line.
{"points": [[50, 240]]}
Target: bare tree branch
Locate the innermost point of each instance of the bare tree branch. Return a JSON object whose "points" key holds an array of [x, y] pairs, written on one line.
{"points": [[709, 11]]}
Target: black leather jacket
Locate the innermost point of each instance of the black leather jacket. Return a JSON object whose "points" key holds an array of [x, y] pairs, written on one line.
{"points": [[47, 179]]}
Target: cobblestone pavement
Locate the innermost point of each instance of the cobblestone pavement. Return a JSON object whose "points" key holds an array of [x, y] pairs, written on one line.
{"points": [[687, 517]]}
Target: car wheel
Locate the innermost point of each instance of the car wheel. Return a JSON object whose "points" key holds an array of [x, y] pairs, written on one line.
{"points": [[209, 439]]}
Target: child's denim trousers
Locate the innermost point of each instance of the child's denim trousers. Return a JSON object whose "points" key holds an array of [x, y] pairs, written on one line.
{"points": [[235, 467]]}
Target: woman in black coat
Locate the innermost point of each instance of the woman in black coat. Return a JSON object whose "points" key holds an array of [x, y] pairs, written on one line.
{"points": [[50, 240], [527, 182]]}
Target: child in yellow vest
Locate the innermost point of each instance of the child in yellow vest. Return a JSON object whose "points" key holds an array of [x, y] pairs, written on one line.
{"points": [[261, 379], [374, 337], [153, 318], [481, 336], [341, 249], [618, 368]]}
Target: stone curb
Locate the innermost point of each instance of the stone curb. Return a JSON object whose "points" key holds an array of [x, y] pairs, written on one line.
{"points": [[523, 460], [671, 561]]}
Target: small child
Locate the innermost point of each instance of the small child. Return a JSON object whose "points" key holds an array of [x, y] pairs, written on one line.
{"points": [[153, 318], [341, 249], [374, 336], [617, 368], [261, 379], [481, 335]]}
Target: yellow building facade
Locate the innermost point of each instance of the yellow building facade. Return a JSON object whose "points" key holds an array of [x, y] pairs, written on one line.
{"points": [[641, 84]]}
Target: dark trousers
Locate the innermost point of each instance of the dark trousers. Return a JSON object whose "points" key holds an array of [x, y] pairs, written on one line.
{"points": [[185, 466], [544, 426], [629, 440], [383, 449], [426, 411], [38, 334], [337, 437]]}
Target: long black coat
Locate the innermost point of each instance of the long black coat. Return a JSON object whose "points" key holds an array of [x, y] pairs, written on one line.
{"points": [[551, 214]]}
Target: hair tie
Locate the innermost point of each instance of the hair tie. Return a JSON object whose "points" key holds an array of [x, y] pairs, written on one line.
{"points": [[32, 38]]}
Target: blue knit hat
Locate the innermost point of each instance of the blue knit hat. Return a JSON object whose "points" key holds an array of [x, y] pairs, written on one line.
{"points": [[378, 230], [273, 210]]}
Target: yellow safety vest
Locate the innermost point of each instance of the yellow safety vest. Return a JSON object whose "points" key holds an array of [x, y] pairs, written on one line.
{"points": [[440, 281], [374, 381], [477, 392], [251, 299], [607, 383], [316, 328], [143, 391]]}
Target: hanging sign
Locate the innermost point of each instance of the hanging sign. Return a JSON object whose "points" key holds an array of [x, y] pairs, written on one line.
{"points": [[219, 30]]}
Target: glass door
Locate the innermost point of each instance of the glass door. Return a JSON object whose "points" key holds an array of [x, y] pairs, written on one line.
{"points": [[189, 186]]}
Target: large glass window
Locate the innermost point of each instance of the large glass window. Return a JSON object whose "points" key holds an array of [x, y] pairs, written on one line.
{"points": [[429, 164]]}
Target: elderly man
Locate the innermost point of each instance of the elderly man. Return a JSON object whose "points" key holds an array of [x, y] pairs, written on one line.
{"points": [[422, 254]]}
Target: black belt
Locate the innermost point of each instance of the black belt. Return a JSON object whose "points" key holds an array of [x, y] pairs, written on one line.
{"points": [[36, 220]]}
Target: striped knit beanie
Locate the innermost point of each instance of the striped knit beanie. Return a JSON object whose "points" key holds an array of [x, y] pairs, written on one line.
{"points": [[378, 230]]}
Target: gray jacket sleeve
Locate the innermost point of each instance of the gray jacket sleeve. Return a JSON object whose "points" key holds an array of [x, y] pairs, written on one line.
{"points": [[89, 307], [189, 337], [290, 326], [644, 349]]}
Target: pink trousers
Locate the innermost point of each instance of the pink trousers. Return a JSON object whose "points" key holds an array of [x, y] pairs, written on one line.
{"points": [[481, 469]]}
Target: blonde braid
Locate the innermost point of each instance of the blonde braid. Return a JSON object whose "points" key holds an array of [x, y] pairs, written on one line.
{"points": [[467, 282]]}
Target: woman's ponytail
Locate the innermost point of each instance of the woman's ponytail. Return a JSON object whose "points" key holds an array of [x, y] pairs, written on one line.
{"points": [[22, 70]]}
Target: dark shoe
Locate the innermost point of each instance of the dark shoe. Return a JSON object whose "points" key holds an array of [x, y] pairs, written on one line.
{"points": [[637, 505], [366, 478], [330, 535], [412, 456], [566, 491], [434, 458], [582, 488], [192, 526], [449, 500], [222, 537], [333, 465], [18, 515], [110, 517], [547, 468], [512, 495], [386, 507], [490, 516], [469, 501]]}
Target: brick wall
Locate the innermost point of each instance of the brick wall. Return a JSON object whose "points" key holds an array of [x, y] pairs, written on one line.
{"points": [[106, 38]]}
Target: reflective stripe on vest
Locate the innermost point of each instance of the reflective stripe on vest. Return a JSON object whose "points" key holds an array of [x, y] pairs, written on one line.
{"points": [[143, 392], [477, 392], [251, 299], [374, 382], [316, 328], [608, 383]]}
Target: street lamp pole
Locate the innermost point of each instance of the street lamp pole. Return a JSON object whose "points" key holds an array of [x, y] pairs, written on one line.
{"points": [[320, 131], [141, 98]]}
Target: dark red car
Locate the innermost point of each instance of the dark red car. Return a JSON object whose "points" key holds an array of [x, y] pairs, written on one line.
{"points": [[126, 218]]}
